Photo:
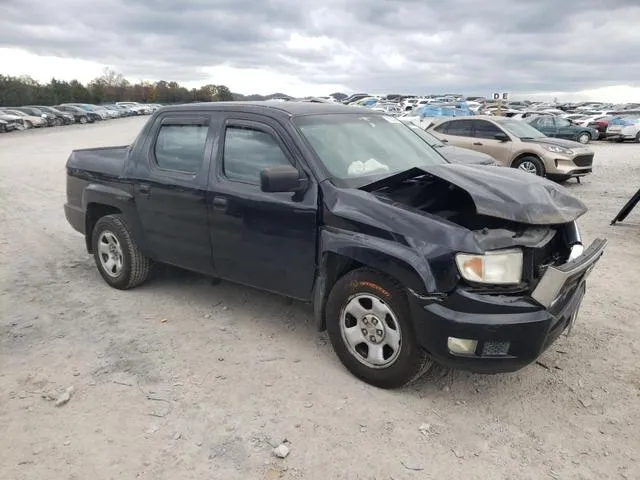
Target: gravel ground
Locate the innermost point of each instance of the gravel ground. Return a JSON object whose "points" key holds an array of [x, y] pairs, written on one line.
{"points": [[181, 379]]}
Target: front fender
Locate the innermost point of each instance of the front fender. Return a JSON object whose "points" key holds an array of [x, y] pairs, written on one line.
{"points": [[393, 258]]}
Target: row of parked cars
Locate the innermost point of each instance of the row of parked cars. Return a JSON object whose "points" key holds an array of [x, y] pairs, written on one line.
{"points": [[36, 116]]}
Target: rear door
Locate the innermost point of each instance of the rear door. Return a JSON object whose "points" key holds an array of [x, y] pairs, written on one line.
{"points": [[484, 133], [171, 189], [262, 239], [458, 133]]}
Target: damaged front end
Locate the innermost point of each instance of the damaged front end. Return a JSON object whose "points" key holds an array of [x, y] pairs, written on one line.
{"points": [[521, 266]]}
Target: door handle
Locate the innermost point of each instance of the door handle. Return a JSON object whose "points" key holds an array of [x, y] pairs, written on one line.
{"points": [[220, 203], [477, 143], [144, 189]]}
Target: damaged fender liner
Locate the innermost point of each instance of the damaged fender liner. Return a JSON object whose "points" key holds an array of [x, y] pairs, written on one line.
{"points": [[508, 194]]}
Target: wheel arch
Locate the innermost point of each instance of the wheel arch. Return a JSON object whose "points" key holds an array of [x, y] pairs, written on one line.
{"points": [[525, 154], [342, 252], [100, 200]]}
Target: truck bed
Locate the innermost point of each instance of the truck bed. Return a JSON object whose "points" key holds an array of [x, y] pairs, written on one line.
{"points": [[107, 161]]}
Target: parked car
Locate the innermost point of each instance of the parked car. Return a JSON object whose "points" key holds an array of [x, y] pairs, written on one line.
{"points": [[99, 114], [516, 144], [79, 115], [139, 108], [451, 153], [3, 126], [29, 121], [624, 127], [12, 122], [64, 117], [558, 127], [406, 259], [598, 123], [50, 118]]}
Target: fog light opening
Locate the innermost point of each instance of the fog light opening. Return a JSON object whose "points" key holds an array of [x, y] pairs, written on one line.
{"points": [[462, 346]]}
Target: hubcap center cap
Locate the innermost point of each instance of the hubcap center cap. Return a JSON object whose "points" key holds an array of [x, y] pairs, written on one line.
{"points": [[372, 328]]}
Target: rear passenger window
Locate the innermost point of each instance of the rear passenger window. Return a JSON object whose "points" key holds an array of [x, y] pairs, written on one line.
{"points": [[181, 147], [442, 128], [247, 151], [460, 128]]}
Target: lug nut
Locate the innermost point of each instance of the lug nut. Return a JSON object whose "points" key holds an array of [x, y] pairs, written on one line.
{"points": [[372, 338], [379, 332], [375, 321], [364, 332]]}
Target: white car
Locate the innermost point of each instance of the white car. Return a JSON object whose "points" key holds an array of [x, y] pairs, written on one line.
{"points": [[623, 128], [139, 108]]}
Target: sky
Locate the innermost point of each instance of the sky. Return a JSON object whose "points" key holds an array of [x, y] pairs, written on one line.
{"points": [[544, 49]]}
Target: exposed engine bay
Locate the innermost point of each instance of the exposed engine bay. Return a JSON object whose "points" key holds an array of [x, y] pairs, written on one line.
{"points": [[543, 245]]}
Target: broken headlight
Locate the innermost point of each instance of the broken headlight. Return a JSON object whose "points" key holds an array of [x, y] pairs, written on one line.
{"points": [[500, 267]]}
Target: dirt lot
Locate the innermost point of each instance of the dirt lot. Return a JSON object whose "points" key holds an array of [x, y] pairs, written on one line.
{"points": [[180, 379]]}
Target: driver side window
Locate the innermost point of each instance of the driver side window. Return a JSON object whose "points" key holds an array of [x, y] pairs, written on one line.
{"points": [[247, 151]]}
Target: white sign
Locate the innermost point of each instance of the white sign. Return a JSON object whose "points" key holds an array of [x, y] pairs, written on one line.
{"points": [[503, 95]]}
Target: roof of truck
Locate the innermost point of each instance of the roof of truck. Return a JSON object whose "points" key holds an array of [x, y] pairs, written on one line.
{"points": [[291, 108]]}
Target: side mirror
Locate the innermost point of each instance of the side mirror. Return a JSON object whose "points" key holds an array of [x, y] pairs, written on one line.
{"points": [[282, 178], [503, 137]]}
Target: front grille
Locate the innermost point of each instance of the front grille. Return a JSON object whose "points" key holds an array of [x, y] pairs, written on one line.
{"points": [[583, 160]]}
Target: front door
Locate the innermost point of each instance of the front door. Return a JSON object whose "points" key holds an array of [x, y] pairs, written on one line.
{"points": [[484, 134], [265, 240], [565, 129], [171, 191]]}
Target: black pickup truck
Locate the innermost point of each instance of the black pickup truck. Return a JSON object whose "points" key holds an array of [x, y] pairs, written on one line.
{"points": [[407, 259]]}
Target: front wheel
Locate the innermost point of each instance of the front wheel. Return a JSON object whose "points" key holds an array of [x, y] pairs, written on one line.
{"points": [[530, 165], [83, 119], [584, 137], [638, 137], [117, 256], [28, 124], [368, 322]]}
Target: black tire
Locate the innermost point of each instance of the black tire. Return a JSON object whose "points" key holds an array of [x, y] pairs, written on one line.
{"points": [[531, 160], [410, 363], [135, 266], [638, 137], [584, 138], [59, 122], [83, 120], [28, 124]]}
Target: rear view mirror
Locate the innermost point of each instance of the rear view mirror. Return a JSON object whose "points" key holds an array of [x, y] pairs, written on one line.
{"points": [[282, 178], [503, 137]]}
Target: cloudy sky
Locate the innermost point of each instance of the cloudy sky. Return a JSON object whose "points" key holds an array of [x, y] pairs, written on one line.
{"points": [[562, 48]]}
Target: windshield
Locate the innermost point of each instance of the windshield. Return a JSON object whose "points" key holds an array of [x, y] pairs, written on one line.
{"points": [[16, 112], [520, 129], [363, 148]]}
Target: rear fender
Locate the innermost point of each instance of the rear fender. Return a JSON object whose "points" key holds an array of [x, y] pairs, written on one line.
{"points": [[98, 195]]}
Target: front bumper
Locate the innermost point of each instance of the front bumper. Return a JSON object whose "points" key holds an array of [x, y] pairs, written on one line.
{"points": [[511, 331]]}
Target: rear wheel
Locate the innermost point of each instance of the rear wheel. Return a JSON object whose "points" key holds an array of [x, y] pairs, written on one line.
{"points": [[83, 119], [530, 164], [59, 122], [584, 137], [638, 137], [368, 322], [117, 256]]}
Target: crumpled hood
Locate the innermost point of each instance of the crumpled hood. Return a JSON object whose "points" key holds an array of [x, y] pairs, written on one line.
{"points": [[505, 193], [511, 194]]}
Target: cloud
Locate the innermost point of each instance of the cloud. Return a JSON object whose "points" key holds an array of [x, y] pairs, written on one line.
{"points": [[399, 46]]}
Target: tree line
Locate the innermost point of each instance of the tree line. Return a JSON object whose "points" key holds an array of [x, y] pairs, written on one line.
{"points": [[108, 88]]}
